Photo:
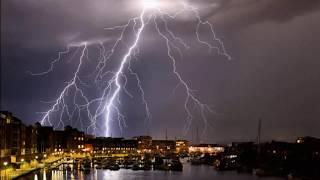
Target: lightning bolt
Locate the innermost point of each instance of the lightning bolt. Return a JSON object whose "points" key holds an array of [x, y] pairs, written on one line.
{"points": [[106, 104], [110, 103], [71, 84]]}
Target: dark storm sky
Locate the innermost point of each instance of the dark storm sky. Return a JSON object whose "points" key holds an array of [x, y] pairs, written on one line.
{"points": [[274, 73]]}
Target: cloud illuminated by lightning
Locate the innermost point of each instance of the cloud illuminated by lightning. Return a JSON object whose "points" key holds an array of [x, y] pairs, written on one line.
{"points": [[106, 105]]}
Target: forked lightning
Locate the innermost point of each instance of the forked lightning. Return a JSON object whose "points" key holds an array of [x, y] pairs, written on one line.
{"points": [[106, 107]]}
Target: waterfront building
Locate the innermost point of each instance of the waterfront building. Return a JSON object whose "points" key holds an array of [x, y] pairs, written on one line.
{"points": [[206, 148], [163, 147], [31, 143], [75, 139], [70, 140], [144, 143], [113, 146], [45, 139], [12, 138], [60, 142], [182, 146]]}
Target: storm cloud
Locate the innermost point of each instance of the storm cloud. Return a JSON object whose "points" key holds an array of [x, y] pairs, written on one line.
{"points": [[274, 72]]}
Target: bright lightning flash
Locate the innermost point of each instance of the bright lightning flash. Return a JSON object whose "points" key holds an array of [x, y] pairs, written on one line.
{"points": [[149, 4], [106, 105]]}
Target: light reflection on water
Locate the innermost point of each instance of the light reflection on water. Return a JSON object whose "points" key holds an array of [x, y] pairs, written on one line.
{"points": [[189, 173]]}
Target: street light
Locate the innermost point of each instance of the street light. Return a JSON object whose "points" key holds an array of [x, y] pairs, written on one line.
{"points": [[36, 157], [5, 169]]}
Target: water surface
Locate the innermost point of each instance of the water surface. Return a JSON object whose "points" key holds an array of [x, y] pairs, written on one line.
{"points": [[189, 173]]}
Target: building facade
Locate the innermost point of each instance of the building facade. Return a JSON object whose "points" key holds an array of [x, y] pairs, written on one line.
{"points": [[114, 146], [45, 139], [163, 147], [17, 141], [206, 149], [182, 146], [144, 143]]}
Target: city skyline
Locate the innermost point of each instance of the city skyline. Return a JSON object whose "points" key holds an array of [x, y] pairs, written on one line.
{"points": [[17, 127], [273, 74]]}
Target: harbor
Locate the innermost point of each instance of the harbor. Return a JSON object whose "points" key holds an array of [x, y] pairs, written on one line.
{"points": [[190, 172]]}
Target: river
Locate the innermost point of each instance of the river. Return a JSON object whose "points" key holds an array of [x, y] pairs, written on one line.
{"points": [[189, 172]]}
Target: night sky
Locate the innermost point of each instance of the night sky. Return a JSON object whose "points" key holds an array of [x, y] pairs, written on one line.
{"points": [[273, 75]]}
